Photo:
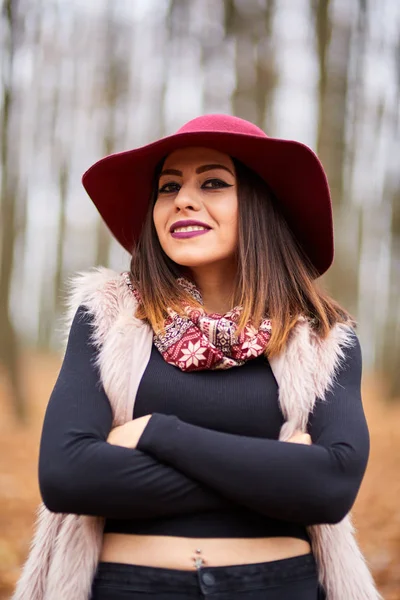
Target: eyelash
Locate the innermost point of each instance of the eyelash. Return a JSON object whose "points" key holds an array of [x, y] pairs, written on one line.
{"points": [[221, 184]]}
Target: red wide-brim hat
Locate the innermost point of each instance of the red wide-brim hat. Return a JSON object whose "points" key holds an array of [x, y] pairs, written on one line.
{"points": [[120, 185]]}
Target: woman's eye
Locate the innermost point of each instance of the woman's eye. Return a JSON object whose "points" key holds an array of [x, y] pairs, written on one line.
{"points": [[169, 188], [215, 184], [173, 187]]}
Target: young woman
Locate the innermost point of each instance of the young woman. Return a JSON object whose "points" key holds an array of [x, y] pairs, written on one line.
{"points": [[167, 422]]}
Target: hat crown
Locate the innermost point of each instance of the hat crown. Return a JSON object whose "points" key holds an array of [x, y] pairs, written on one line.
{"points": [[221, 123]]}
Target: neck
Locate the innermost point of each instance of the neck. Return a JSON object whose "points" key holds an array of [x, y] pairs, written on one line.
{"points": [[216, 286]]}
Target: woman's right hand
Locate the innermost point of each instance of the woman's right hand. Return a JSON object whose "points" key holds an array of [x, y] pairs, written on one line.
{"points": [[300, 438]]}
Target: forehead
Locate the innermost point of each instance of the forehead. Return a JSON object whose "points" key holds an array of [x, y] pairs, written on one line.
{"points": [[196, 156]]}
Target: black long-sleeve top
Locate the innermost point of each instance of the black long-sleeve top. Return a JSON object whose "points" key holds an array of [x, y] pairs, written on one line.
{"points": [[209, 463]]}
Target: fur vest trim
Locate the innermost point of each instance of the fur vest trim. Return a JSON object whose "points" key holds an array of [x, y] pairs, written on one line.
{"points": [[65, 548]]}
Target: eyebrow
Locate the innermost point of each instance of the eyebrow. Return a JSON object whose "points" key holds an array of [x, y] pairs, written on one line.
{"points": [[199, 170]]}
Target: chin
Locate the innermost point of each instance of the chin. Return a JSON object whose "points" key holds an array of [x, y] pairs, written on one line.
{"points": [[199, 262], [193, 263], [197, 258]]}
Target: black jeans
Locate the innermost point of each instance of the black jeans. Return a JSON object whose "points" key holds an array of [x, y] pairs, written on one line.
{"points": [[289, 579]]}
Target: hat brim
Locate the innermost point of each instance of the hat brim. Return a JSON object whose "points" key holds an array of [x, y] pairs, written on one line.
{"points": [[120, 185]]}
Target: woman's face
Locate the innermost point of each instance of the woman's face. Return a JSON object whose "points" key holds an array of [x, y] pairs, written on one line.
{"points": [[196, 211]]}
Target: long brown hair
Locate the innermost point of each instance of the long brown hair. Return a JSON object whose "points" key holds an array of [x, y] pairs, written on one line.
{"points": [[274, 276]]}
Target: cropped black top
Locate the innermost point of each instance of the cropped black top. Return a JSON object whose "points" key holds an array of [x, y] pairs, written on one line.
{"points": [[209, 463]]}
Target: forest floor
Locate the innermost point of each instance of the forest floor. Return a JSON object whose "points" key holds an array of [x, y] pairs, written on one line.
{"points": [[376, 513]]}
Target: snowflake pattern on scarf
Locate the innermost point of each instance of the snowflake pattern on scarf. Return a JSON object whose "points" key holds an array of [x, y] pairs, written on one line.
{"points": [[197, 341]]}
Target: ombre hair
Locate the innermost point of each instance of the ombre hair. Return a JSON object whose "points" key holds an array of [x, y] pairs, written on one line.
{"points": [[275, 278]]}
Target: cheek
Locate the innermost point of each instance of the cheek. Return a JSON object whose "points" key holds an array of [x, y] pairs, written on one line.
{"points": [[234, 225], [234, 232], [229, 217], [159, 218]]}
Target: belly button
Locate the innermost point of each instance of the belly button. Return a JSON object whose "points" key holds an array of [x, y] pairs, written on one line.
{"points": [[198, 560]]}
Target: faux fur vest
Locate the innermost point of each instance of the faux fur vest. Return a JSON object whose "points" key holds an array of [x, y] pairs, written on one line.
{"points": [[65, 548]]}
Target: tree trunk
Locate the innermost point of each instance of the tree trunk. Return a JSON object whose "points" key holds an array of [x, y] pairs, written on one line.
{"points": [[9, 349], [333, 39], [255, 68]]}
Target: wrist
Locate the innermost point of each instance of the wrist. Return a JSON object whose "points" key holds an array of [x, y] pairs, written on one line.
{"points": [[159, 429], [128, 434]]}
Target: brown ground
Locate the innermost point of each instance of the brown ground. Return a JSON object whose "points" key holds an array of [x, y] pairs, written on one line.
{"points": [[376, 512]]}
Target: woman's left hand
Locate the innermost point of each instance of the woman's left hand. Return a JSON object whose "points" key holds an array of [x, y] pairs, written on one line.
{"points": [[128, 435], [300, 438]]}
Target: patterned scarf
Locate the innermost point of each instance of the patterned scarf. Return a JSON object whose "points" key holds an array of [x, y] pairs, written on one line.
{"points": [[196, 341]]}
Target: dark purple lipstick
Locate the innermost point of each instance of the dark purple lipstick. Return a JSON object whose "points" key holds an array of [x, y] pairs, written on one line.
{"points": [[190, 233]]}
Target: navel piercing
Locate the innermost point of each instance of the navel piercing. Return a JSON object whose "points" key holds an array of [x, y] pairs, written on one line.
{"points": [[198, 560]]}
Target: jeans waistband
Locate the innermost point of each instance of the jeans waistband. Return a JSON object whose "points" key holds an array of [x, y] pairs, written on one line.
{"points": [[209, 579]]}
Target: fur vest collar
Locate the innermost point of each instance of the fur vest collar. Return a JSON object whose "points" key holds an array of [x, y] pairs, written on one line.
{"points": [[65, 548]]}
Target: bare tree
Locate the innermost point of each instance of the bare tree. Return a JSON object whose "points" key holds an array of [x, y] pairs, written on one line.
{"points": [[114, 89], [333, 42], [51, 134], [388, 359], [9, 350], [250, 24]]}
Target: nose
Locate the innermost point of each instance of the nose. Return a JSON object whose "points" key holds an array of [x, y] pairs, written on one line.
{"points": [[186, 199]]}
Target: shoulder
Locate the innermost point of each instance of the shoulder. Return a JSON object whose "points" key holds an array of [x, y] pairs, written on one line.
{"points": [[101, 292], [341, 338], [80, 332], [351, 353], [330, 355], [342, 350], [99, 283], [345, 338]]}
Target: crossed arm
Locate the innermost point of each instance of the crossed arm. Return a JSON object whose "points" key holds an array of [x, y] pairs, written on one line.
{"points": [[181, 468], [79, 472]]}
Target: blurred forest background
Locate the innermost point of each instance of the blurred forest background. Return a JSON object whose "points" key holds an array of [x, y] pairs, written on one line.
{"points": [[81, 79]]}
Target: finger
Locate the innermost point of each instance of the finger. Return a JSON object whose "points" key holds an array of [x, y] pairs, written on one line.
{"points": [[303, 438]]}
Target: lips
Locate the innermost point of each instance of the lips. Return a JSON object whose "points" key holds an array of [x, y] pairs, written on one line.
{"points": [[188, 223]]}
